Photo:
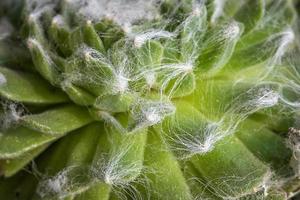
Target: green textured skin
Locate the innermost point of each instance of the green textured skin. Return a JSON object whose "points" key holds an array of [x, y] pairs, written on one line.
{"points": [[193, 100]]}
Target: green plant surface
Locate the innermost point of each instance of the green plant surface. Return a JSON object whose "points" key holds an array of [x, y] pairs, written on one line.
{"points": [[149, 100]]}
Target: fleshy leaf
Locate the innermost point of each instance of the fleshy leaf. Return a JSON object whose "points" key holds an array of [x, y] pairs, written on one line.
{"points": [[60, 34], [43, 62], [68, 182], [269, 50], [182, 86], [250, 14], [193, 135], [226, 173], [197, 183], [75, 149], [166, 181], [83, 143], [114, 103], [10, 167], [96, 192], [171, 51], [110, 32], [193, 31], [76, 39], [28, 88], [91, 37], [119, 156], [67, 162], [218, 47], [77, 94], [34, 28], [265, 145], [279, 15], [58, 121], [16, 142], [149, 55]]}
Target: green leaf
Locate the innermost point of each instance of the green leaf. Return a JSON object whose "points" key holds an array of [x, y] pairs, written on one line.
{"points": [[76, 39], [175, 11], [193, 31], [166, 181], [75, 149], [87, 69], [250, 14], [58, 121], [192, 135], [218, 47], [231, 169], [34, 29], [121, 56], [67, 183], [70, 158], [10, 167], [265, 145], [278, 120], [279, 15], [99, 191], [17, 142], [182, 86], [150, 54], [114, 103], [214, 96], [231, 7], [172, 51], [83, 143], [78, 95], [91, 37], [60, 33], [119, 157], [43, 62], [290, 95], [110, 32], [218, 98], [148, 57], [197, 183], [266, 51], [28, 88]]}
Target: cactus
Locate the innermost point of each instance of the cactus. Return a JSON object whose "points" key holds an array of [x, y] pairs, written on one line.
{"points": [[133, 99]]}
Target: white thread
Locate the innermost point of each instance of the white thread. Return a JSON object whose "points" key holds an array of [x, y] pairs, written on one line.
{"points": [[2, 80]]}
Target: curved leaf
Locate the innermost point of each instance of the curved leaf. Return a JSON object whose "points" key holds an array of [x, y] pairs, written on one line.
{"points": [[28, 88], [265, 145], [96, 192], [250, 14], [218, 47], [58, 121], [193, 31], [10, 167], [67, 163], [43, 62], [119, 156], [16, 142], [91, 37], [165, 179], [227, 173]]}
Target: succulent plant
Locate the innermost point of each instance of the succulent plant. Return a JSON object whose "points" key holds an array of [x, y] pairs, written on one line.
{"points": [[133, 99]]}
